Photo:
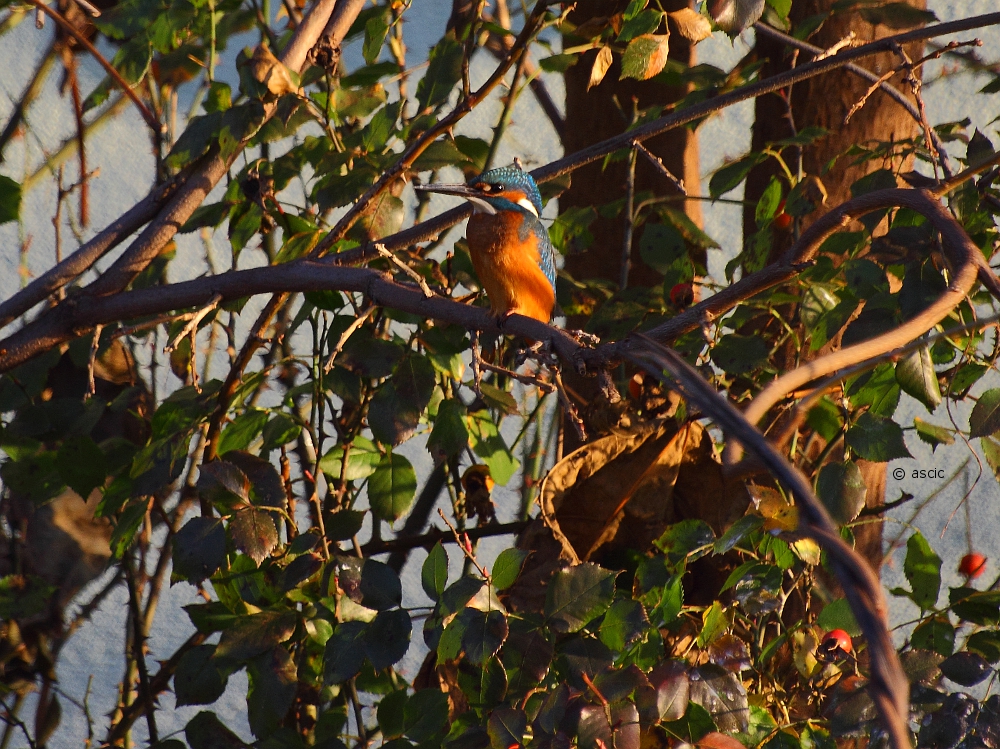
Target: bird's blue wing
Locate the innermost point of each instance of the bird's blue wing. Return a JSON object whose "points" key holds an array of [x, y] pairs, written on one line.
{"points": [[546, 254]]}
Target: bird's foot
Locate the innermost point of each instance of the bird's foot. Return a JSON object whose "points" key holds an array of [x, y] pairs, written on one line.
{"points": [[584, 338]]}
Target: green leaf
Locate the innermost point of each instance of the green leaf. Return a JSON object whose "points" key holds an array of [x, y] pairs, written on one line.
{"points": [[838, 615], [280, 430], [877, 439], [434, 573], [933, 434], [391, 487], [206, 731], [450, 435], [344, 652], [643, 23], [506, 727], [985, 417], [623, 625], [126, 526], [661, 246], [739, 354], [578, 595], [737, 532], [877, 389], [344, 524], [425, 716], [842, 489], [936, 634], [507, 567], [646, 55], [24, 596], [768, 203], [916, 376], [199, 549], [444, 70], [557, 64], [362, 459], [397, 407], [242, 430], [897, 15], [388, 638], [375, 31], [273, 682], [390, 713], [198, 680], [731, 175], [489, 444], [253, 634], [922, 569], [689, 537], [10, 199], [485, 632], [82, 465], [714, 624]]}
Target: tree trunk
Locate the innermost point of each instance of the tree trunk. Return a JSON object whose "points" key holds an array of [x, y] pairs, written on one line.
{"points": [[824, 101]]}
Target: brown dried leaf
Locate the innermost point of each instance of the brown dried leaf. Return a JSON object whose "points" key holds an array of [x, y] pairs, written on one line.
{"points": [[601, 64], [645, 56], [269, 70], [691, 24]]}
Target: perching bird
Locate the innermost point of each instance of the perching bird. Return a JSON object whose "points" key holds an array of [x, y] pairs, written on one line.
{"points": [[510, 248]]}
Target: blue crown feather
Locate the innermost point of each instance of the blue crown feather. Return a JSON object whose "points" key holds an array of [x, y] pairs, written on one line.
{"points": [[513, 177]]}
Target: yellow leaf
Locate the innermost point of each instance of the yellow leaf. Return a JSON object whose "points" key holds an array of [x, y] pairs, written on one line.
{"points": [[692, 25], [601, 64], [269, 70], [777, 513], [804, 644]]}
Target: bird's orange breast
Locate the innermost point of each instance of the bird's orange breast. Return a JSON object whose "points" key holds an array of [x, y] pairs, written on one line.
{"points": [[506, 259]]}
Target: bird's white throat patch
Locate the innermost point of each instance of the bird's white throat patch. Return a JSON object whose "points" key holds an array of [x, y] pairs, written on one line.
{"points": [[528, 206]]}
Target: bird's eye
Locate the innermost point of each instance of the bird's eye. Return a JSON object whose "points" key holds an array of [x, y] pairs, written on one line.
{"points": [[498, 188]]}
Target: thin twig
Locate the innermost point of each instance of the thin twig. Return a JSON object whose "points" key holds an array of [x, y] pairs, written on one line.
{"points": [[192, 324], [524, 379], [91, 360], [569, 408], [420, 281], [342, 341], [629, 218], [463, 546], [658, 164]]}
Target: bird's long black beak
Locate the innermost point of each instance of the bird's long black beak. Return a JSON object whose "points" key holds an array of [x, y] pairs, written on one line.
{"points": [[471, 194]]}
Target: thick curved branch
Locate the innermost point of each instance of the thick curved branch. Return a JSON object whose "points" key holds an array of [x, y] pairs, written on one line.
{"points": [[888, 687], [967, 265]]}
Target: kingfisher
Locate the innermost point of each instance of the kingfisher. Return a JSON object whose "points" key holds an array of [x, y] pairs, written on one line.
{"points": [[510, 247]]}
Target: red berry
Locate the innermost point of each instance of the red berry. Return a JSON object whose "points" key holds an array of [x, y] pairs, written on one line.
{"points": [[972, 565], [681, 295], [635, 385], [782, 221], [836, 645]]}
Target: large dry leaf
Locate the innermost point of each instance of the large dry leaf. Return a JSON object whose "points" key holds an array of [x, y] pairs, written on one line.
{"points": [[629, 474], [601, 64]]}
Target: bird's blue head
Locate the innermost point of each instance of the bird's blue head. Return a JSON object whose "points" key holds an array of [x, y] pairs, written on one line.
{"points": [[506, 188]]}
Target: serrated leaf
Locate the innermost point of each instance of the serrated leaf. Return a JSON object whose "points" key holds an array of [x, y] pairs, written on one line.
{"points": [[254, 533], [484, 634], [877, 439], [344, 652], [967, 669], [933, 434], [387, 638], [82, 465], [985, 417], [253, 634], [362, 459], [199, 549], [425, 715], [600, 68], [375, 31], [916, 376], [10, 199], [392, 487], [842, 489], [198, 680], [624, 623], [243, 430], [645, 56], [273, 679], [578, 595], [450, 435]]}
